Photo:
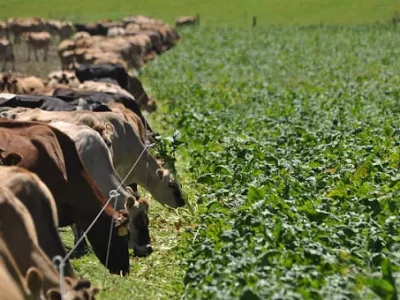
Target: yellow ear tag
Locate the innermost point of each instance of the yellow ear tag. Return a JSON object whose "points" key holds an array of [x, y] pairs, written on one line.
{"points": [[122, 231]]}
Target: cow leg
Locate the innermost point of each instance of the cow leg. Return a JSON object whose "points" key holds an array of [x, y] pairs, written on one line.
{"points": [[4, 65], [46, 52], [83, 247], [36, 56], [29, 52]]}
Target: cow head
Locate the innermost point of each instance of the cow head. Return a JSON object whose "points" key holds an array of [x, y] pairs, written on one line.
{"points": [[150, 105], [139, 226], [118, 258], [5, 83], [76, 290], [106, 132], [168, 191]]}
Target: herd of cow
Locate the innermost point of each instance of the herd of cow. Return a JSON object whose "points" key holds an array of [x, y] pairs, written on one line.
{"points": [[73, 149], [130, 42]]}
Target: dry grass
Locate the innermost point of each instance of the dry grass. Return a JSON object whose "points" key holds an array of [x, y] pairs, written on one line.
{"points": [[39, 68]]}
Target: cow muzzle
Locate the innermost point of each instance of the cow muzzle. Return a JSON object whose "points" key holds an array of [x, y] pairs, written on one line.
{"points": [[142, 250]]}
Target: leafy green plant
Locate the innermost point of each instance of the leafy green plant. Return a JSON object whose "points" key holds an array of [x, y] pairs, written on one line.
{"points": [[290, 143]]}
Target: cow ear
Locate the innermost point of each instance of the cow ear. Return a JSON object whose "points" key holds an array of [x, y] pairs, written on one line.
{"points": [[81, 284], [160, 173], [109, 127], [34, 280], [10, 159], [53, 294], [95, 290], [130, 202]]}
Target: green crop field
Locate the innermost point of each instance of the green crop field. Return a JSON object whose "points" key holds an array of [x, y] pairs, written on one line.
{"points": [[213, 12], [289, 140]]}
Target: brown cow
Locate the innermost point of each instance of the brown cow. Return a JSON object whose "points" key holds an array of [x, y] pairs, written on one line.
{"points": [[17, 26], [127, 145], [135, 87], [140, 19], [66, 54], [115, 31], [13, 285], [105, 87], [16, 83], [95, 155], [37, 41], [52, 155], [7, 53], [186, 21], [22, 242], [35, 195], [63, 79], [81, 35], [64, 30], [132, 29]]}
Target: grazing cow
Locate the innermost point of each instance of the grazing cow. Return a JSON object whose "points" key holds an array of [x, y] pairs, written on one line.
{"points": [[132, 29], [135, 87], [169, 34], [21, 84], [52, 155], [63, 29], [67, 59], [20, 25], [35, 195], [105, 87], [156, 40], [37, 41], [126, 147], [92, 28], [126, 80], [92, 72], [100, 27], [28, 254], [63, 79], [66, 53], [140, 19], [3, 30], [115, 31], [96, 157], [186, 21], [49, 103], [81, 35], [13, 285], [100, 97], [7, 53]]}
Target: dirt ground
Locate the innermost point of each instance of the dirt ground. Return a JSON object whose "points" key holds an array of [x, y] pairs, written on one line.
{"points": [[39, 68]]}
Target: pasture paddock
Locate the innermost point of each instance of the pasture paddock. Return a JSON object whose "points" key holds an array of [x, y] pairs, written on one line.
{"points": [[288, 151]]}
